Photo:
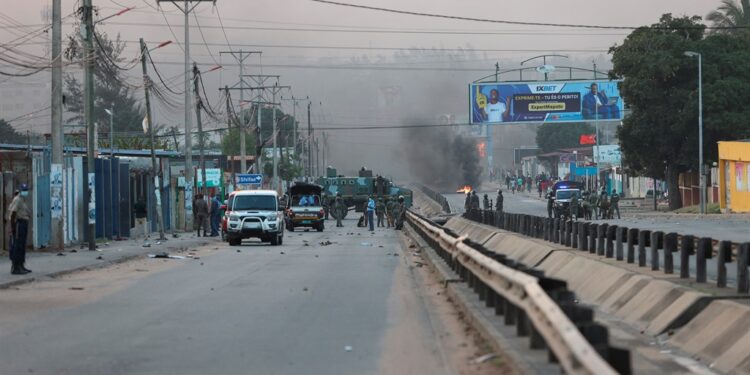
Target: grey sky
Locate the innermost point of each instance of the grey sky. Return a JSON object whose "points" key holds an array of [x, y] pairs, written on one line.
{"points": [[351, 96]]}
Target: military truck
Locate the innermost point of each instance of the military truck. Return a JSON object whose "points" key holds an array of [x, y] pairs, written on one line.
{"points": [[355, 190]]}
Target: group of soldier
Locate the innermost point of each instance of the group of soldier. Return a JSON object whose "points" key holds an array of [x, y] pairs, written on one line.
{"points": [[389, 212], [595, 206], [472, 201]]}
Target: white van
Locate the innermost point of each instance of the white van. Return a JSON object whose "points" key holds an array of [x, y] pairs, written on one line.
{"points": [[255, 214]]}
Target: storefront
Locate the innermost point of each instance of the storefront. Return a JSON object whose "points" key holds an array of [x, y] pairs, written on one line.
{"points": [[734, 176]]}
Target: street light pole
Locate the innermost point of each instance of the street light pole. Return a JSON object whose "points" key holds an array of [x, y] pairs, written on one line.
{"points": [[701, 172]]}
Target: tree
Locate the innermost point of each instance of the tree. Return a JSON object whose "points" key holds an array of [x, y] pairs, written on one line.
{"points": [[110, 87], [551, 137], [8, 134], [730, 14], [230, 144], [659, 138], [287, 170]]}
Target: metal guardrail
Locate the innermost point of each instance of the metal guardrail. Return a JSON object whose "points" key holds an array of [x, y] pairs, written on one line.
{"points": [[623, 244], [437, 197], [542, 308]]}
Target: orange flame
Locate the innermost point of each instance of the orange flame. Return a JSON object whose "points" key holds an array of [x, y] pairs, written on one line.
{"points": [[465, 189]]}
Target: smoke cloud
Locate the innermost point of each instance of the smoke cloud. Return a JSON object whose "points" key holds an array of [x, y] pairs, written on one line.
{"points": [[440, 157]]}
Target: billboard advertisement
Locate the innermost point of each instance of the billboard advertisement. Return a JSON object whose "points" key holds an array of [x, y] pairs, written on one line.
{"points": [[552, 101], [608, 154]]}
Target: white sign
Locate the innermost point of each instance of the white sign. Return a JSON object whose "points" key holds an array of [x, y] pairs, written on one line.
{"points": [[55, 188], [608, 154], [92, 198]]}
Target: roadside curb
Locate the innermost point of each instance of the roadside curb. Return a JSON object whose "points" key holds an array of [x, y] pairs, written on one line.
{"points": [[56, 274]]}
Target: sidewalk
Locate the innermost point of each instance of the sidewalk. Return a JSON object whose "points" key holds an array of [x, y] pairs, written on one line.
{"points": [[45, 264]]}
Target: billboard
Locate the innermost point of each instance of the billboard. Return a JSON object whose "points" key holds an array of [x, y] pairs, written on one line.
{"points": [[608, 154], [534, 102]]}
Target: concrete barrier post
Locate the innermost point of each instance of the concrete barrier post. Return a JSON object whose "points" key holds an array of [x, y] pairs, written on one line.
{"points": [[555, 230], [582, 240], [670, 247], [510, 314], [686, 250], [593, 233], [632, 239], [522, 323], [643, 237], [574, 235], [656, 239], [610, 241], [545, 223], [566, 232], [600, 238], [725, 256], [619, 238], [705, 251], [742, 258]]}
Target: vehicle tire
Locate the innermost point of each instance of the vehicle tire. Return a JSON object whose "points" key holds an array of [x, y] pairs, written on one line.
{"points": [[234, 241], [290, 227], [275, 240], [320, 227]]}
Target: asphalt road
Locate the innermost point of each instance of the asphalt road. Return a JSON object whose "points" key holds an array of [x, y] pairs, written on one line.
{"points": [[300, 308]]}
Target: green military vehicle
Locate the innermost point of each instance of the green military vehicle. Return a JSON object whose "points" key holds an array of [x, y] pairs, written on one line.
{"points": [[355, 190]]}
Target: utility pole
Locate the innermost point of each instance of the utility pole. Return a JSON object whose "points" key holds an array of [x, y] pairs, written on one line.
{"points": [[158, 184], [276, 180], [309, 142], [58, 240], [241, 56], [296, 123], [198, 104], [186, 8], [229, 128], [87, 12], [258, 87]]}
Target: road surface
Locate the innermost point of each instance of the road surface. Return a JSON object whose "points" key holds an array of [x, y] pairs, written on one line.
{"points": [[354, 306]]}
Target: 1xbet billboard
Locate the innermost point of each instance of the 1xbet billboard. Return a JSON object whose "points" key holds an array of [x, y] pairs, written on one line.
{"points": [[559, 101]]}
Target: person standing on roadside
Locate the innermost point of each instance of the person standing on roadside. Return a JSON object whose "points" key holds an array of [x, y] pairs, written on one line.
{"points": [[615, 203], [215, 212], [380, 211], [389, 212], [20, 214], [141, 213], [499, 201], [371, 213], [200, 208], [339, 210]]}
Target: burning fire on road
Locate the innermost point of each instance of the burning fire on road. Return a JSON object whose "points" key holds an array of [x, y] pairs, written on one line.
{"points": [[465, 189]]}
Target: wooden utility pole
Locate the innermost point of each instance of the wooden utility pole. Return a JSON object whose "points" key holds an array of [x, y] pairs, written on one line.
{"points": [[89, 59], [198, 104]]}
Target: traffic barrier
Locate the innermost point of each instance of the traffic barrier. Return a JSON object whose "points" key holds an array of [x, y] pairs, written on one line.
{"points": [[725, 256], [601, 234], [686, 250], [610, 241], [593, 233], [670, 247], [532, 302], [705, 250], [622, 232], [656, 244]]}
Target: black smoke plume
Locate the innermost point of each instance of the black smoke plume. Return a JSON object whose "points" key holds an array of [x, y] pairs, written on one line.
{"points": [[440, 157]]}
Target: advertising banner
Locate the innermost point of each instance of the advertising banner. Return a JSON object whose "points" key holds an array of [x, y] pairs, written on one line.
{"points": [[213, 176], [534, 102], [56, 190], [608, 154]]}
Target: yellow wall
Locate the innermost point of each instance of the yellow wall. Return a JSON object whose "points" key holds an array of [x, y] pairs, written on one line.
{"points": [[732, 155]]}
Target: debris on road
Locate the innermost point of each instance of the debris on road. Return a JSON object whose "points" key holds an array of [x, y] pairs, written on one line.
{"points": [[282, 253], [326, 243], [305, 289], [367, 244], [140, 270], [395, 254], [348, 348], [165, 256], [60, 254], [99, 257], [238, 250], [75, 288]]}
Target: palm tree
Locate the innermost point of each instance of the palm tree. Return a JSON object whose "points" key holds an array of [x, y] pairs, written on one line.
{"points": [[730, 13]]}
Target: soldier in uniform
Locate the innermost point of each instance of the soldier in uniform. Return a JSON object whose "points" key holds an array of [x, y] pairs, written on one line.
{"points": [[339, 208], [380, 211], [550, 205], [467, 202], [586, 206], [474, 200], [594, 202], [20, 214], [400, 211], [614, 204], [604, 210], [389, 204], [574, 207], [486, 202], [325, 203]]}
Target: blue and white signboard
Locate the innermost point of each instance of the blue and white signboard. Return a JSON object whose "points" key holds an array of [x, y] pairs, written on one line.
{"points": [[249, 179], [553, 101]]}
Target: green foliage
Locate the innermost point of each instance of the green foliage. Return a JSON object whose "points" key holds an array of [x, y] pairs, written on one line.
{"points": [[551, 137], [109, 87], [730, 13], [659, 137], [9, 135], [230, 144], [285, 123], [287, 170]]}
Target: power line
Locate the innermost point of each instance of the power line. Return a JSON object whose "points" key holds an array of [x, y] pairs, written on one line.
{"points": [[205, 44], [521, 23]]}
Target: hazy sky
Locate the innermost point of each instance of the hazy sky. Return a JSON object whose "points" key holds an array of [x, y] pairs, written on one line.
{"points": [[268, 25]]}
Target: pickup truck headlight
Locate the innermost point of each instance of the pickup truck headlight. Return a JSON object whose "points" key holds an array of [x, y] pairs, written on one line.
{"points": [[271, 218], [234, 217]]}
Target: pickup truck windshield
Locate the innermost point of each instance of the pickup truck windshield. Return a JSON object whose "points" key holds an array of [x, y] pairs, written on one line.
{"points": [[566, 194], [254, 203]]}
